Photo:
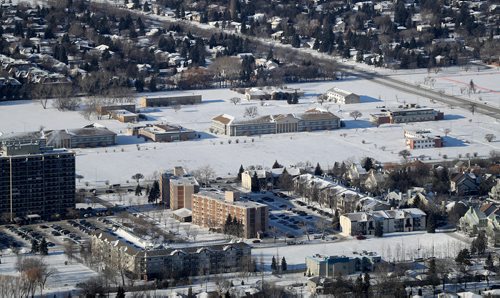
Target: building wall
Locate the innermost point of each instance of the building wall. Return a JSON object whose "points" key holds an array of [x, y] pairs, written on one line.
{"points": [[212, 212], [413, 116], [165, 188], [181, 196], [246, 181], [170, 100], [92, 141]]}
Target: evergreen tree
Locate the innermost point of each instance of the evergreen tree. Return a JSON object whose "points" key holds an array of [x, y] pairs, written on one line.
{"points": [[270, 54], [366, 280], [190, 293], [285, 181], [489, 262], [283, 264], [154, 193], [367, 163], [431, 223], [34, 246], [152, 84], [318, 171], [276, 165], [139, 85], [120, 293], [240, 172], [44, 248], [463, 257], [273, 264], [255, 182], [138, 190], [296, 41]]}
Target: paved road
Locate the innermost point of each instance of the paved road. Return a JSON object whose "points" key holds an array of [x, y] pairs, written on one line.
{"points": [[384, 80]]}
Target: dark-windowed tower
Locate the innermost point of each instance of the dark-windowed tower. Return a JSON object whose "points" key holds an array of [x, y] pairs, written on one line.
{"points": [[35, 179]]}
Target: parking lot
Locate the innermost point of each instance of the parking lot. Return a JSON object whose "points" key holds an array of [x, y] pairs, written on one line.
{"points": [[289, 219]]}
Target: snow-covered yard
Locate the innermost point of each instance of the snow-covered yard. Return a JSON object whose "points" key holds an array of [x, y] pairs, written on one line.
{"points": [[65, 278], [395, 246]]}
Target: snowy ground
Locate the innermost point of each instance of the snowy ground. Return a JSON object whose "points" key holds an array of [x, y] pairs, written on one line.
{"points": [[117, 164], [395, 246], [65, 278]]}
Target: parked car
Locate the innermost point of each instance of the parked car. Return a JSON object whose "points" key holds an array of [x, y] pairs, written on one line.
{"points": [[360, 237]]}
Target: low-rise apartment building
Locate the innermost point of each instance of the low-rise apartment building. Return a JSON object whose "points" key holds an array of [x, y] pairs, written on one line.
{"points": [[406, 115], [163, 101], [170, 262], [311, 120], [86, 137], [166, 133], [124, 116], [211, 209], [397, 220], [340, 96], [422, 139], [332, 266]]}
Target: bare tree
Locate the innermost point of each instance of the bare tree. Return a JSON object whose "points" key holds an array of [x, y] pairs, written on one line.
{"points": [[235, 100], [251, 112], [204, 174], [322, 98], [489, 137], [35, 272], [404, 154], [13, 286], [69, 250], [356, 114], [177, 108], [447, 131]]}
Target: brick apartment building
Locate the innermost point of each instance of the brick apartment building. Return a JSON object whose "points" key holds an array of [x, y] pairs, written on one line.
{"points": [[211, 209], [35, 180]]}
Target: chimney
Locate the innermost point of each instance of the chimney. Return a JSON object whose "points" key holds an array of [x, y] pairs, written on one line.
{"points": [[231, 196]]}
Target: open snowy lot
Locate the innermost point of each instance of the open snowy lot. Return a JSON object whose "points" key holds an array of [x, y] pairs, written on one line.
{"points": [[65, 278], [357, 140], [392, 247]]}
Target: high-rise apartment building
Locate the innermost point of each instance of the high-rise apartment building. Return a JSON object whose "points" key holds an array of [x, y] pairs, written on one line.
{"points": [[35, 179]]}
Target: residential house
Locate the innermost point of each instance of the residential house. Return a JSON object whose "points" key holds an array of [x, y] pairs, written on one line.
{"points": [[466, 183], [495, 191], [475, 220], [397, 220], [374, 180]]}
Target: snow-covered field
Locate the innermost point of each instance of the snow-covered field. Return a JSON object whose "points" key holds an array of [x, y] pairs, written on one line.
{"points": [[455, 80], [395, 246], [359, 139], [65, 278]]}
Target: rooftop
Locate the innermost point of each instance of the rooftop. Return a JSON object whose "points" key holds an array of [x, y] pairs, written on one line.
{"points": [[217, 195]]}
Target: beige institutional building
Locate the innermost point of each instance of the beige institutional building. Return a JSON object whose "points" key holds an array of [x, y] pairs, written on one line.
{"points": [[310, 120], [211, 210]]}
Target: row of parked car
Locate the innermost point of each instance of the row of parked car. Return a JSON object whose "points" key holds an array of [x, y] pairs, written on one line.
{"points": [[29, 234]]}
